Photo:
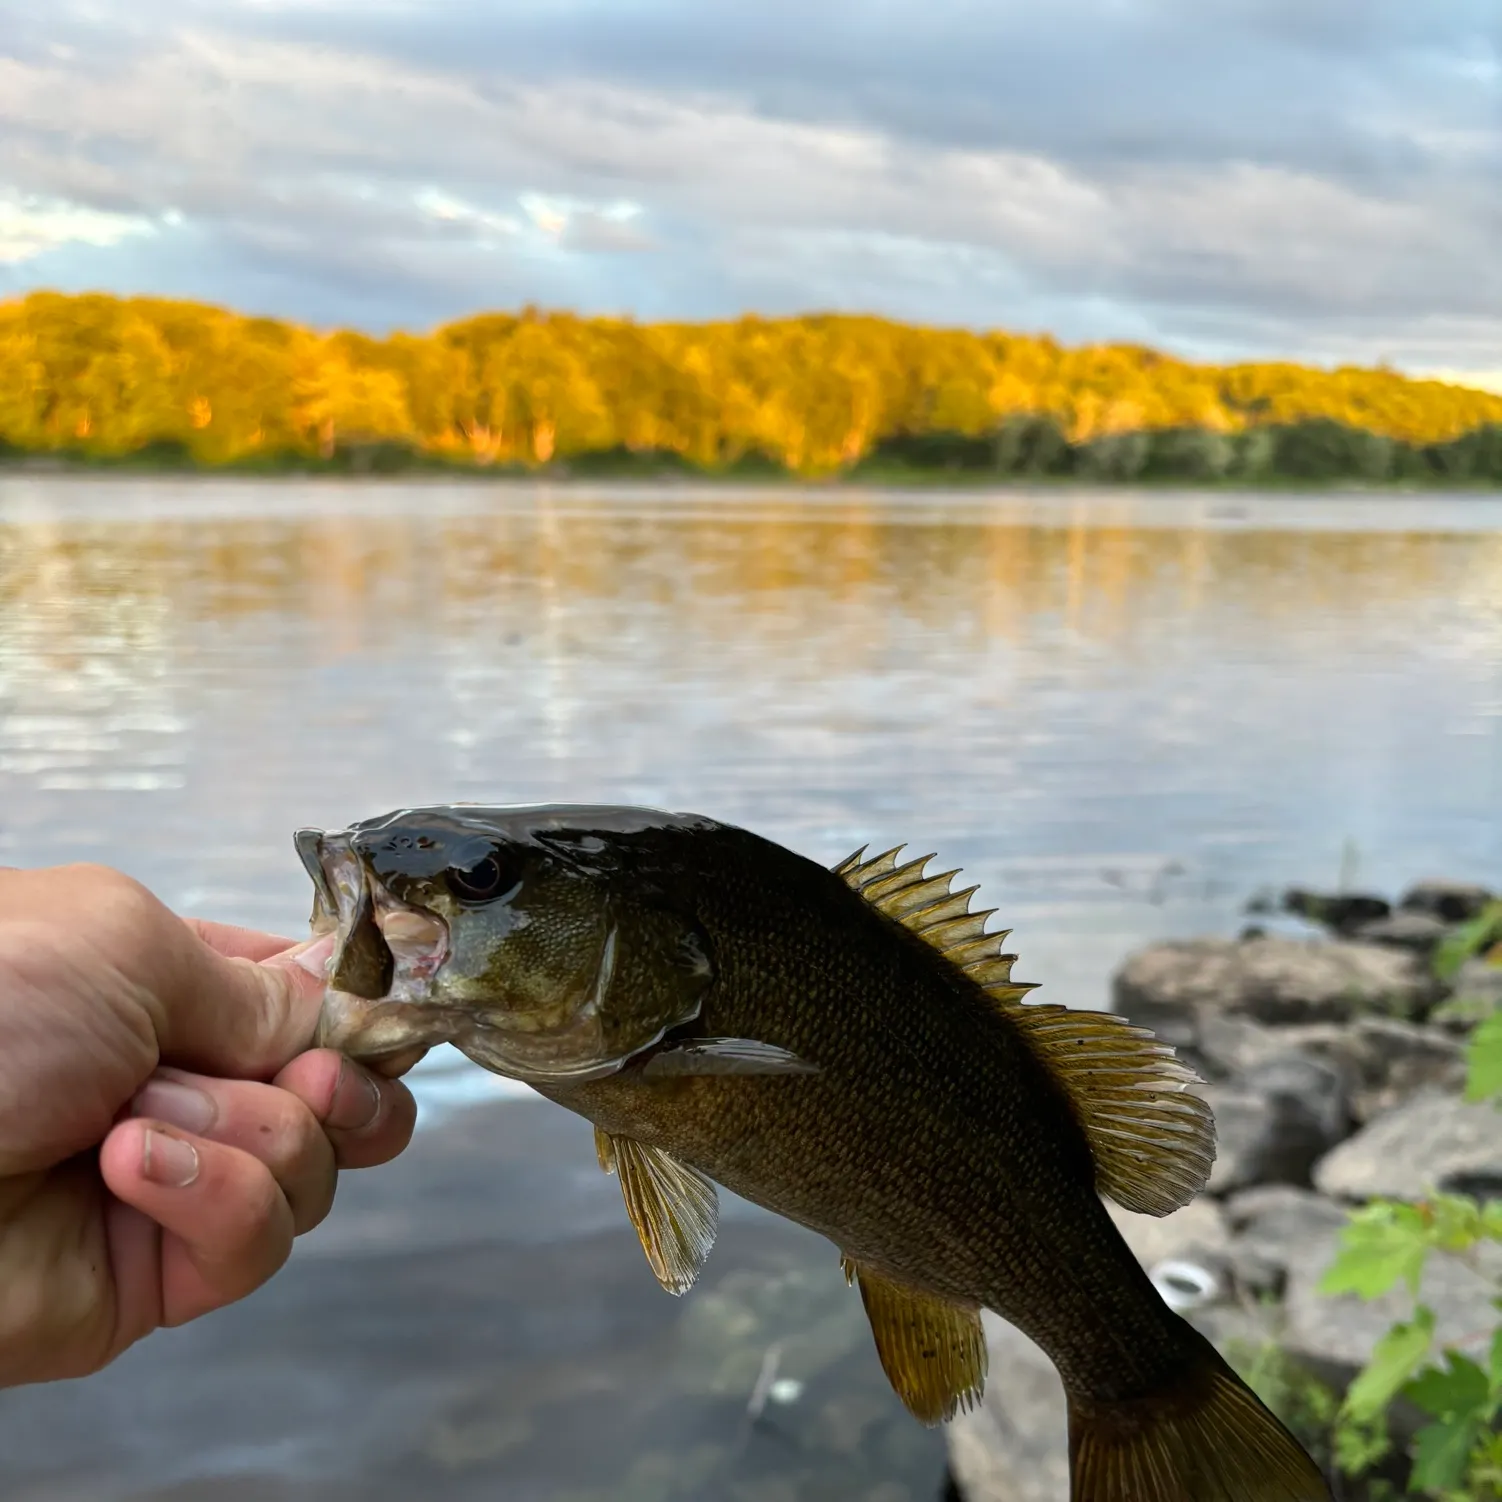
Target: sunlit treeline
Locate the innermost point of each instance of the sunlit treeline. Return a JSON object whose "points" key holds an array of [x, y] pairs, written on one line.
{"points": [[103, 377]]}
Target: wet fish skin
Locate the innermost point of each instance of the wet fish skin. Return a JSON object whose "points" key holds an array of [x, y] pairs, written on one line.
{"points": [[553, 967], [928, 1132], [931, 1145]]}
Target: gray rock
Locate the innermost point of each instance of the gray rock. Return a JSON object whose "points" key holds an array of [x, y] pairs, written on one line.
{"points": [[1015, 1446], [1172, 987], [1340, 911], [1432, 1142], [1269, 1223], [1381, 1061], [1401, 1060], [1316, 1087], [1476, 990], [1335, 1335], [1272, 1126], [1226, 1045], [1407, 929], [1285, 1207], [1450, 901]]}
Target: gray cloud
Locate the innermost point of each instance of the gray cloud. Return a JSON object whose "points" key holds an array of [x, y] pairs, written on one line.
{"points": [[1315, 177]]}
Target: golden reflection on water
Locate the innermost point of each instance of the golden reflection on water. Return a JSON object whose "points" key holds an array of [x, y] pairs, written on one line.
{"points": [[357, 577], [1054, 696]]}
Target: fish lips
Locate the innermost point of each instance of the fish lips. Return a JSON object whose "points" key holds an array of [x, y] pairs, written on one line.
{"points": [[386, 952]]}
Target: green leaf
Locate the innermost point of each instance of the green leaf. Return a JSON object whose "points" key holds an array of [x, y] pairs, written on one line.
{"points": [[1360, 1444], [1441, 1453], [1484, 1060], [1384, 1244], [1468, 940], [1491, 1220], [1494, 1365], [1454, 1222], [1392, 1364], [1452, 1391]]}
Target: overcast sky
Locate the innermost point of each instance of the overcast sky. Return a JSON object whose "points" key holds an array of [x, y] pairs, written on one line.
{"points": [[1317, 179]]}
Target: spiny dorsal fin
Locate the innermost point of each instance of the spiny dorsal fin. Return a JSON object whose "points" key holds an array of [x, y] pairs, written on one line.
{"points": [[1152, 1140], [674, 1208], [933, 1352]]}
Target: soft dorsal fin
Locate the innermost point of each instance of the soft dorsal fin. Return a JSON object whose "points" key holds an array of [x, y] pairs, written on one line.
{"points": [[1152, 1140], [675, 1209], [933, 1352]]}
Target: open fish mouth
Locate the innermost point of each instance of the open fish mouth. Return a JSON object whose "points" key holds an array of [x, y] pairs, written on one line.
{"points": [[386, 952]]}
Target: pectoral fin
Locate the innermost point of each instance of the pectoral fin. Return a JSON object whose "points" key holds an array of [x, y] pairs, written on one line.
{"points": [[933, 1352], [674, 1208], [724, 1056]]}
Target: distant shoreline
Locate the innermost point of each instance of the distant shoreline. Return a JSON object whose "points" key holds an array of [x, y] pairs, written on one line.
{"points": [[420, 467]]}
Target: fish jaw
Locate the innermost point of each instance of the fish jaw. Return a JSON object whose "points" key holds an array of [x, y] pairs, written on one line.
{"points": [[542, 971], [385, 960]]}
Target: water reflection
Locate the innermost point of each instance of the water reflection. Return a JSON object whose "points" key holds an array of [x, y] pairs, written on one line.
{"points": [[1122, 713]]}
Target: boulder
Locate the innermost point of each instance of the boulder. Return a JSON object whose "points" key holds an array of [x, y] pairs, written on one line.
{"points": [[1476, 990], [1281, 1116], [1400, 1060], [1335, 1335], [1421, 932], [1172, 987], [1381, 1060], [1449, 901], [1432, 1142], [1268, 1224], [1226, 1045], [1342, 912]]}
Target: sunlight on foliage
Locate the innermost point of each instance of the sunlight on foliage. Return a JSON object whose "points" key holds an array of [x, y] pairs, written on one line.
{"points": [[102, 377]]}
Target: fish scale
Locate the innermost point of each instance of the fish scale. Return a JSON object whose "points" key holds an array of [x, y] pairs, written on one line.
{"points": [[848, 1049]]}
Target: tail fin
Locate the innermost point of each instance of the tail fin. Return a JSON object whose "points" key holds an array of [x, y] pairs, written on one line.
{"points": [[1206, 1438]]}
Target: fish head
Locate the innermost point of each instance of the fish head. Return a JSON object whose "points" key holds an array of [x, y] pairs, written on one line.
{"points": [[524, 936]]}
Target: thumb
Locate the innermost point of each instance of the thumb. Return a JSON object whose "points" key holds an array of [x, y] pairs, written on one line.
{"points": [[241, 1018]]}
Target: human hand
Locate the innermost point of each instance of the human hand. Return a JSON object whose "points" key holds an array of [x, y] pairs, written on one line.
{"points": [[164, 1130]]}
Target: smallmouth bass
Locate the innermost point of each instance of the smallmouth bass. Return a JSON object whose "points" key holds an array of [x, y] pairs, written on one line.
{"points": [[845, 1047]]}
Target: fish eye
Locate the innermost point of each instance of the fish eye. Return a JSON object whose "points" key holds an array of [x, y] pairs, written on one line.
{"points": [[479, 882]]}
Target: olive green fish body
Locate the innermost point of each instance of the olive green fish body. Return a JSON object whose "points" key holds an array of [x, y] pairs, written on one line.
{"points": [[848, 1049], [931, 1146]]}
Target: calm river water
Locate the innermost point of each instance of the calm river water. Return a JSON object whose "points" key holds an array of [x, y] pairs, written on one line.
{"points": [[1123, 714]]}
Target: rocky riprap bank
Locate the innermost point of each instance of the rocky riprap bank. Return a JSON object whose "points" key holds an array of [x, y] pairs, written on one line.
{"points": [[1335, 1066]]}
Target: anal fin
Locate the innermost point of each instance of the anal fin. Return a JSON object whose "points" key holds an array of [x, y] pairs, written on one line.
{"points": [[933, 1351], [675, 1209]]}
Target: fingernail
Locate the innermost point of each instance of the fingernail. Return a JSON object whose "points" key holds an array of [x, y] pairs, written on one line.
{"points": [[168, 1160], [356, 1102], [177, 1105], [313, 956]]}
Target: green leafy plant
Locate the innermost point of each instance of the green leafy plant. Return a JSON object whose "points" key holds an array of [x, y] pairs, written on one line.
{"points": [[1457, 1454], [1484, 1061], [1479, 936]]}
